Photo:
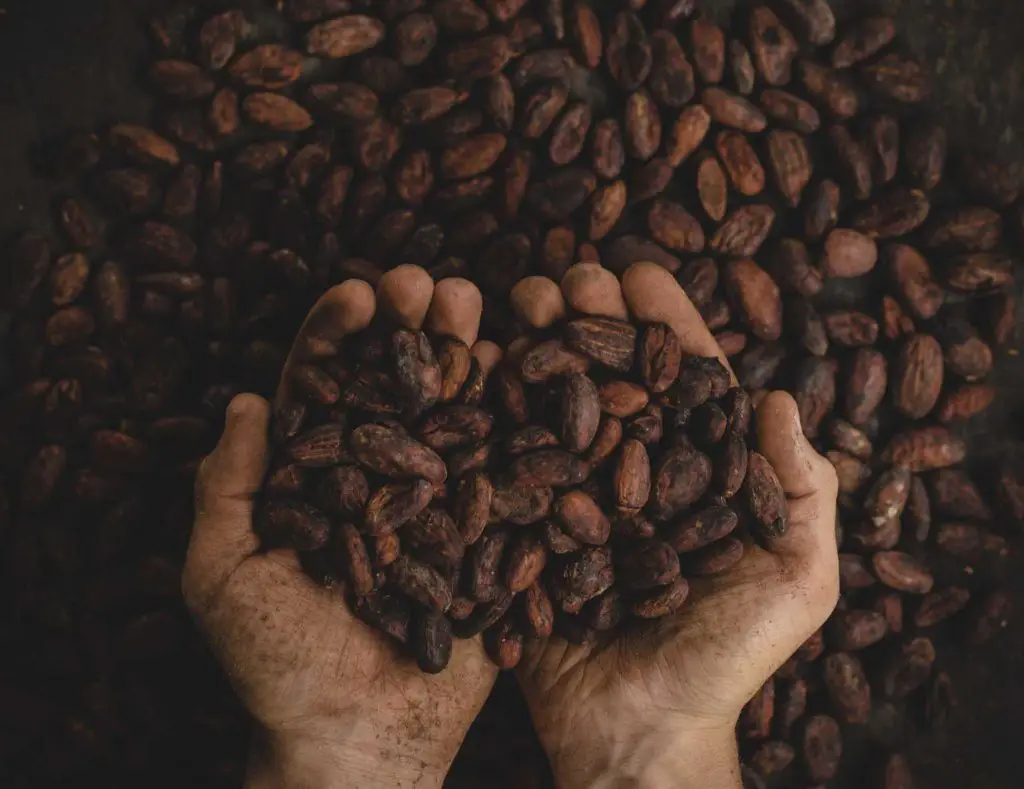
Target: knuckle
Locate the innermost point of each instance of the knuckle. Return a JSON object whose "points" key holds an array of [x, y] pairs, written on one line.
{"points": [[828, 480]]}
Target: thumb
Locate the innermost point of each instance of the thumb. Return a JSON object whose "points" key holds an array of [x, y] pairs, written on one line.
{"points": [[222, 537], [808, 479]]}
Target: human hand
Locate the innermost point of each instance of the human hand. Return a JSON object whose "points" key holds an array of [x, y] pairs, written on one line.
{"points": [[334, 703], [659, 707]]}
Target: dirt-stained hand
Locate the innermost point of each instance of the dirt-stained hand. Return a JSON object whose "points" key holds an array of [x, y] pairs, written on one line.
{"points": [[659, 708], [334, 704]]}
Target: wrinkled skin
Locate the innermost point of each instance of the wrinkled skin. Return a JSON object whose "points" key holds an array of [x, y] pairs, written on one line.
{"points": [[659, 708], [333, 702]]}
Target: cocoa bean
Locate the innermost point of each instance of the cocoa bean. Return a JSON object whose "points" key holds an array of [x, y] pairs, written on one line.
{"points": [[897, 77], [712, 187], [902, 572], [581, 517], [662, 602], [757, 296], [851, 329], [765, 498], [741, 163], [822, 748], [908, 669], [525, 562], [688, 132], [772, 45], [287, 523], [430, 637], [830, 88], [856, 629], [393, 505], [716, 559], [707, 42], [848, 688], [521, 505], [671, 81], [791, 164], [744, 231]]}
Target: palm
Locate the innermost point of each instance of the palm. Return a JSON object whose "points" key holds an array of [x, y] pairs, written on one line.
{"points": [[306, 656], [689, 666]]}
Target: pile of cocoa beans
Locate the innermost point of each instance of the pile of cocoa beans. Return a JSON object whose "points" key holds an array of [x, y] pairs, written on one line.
{"points": [[393, 480], [785, 169]]}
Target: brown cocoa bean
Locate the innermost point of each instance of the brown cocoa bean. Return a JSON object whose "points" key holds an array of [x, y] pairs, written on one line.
{"points": [[757, 296], [848, 688], [707, 43], [343, 490], [628, 52], [673, 227], [716, 559], [712, 187], [941, 605], [688, 132], [851, 329], [908, 669], [897, 213], [525, 562], [662, 602], [772, 45], [744, 231], [547, 468], [538, 612], [483, 582], [822, 748], [924, 154], [671, 81], [829, 88], [919, 376], [622, 399], [292, 524], [857, 629], [582, 518], [925, 449], [765, 497], [521, 505], [395, 504], [741, 163], [897, 77], [902, 572]]}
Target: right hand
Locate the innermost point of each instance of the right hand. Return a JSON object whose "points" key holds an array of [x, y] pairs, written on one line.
{"points": [[659, 708]]}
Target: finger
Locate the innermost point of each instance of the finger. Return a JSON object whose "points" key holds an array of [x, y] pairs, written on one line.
{"points": [[404, 295], [344, 309], [801, 470], [456, 309], [537, 302], [487, 355], [222, 537], [654, 296], [591, 289], [808, 479]]}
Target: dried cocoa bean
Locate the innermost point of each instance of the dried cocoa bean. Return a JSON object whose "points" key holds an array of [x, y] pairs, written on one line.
{"points": [[848, 688]]}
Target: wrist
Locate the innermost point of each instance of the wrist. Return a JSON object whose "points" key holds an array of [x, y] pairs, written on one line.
{"points": [[342, 757], [669, 756]]}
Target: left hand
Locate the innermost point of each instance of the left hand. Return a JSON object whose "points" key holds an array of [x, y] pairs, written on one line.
{"points": [[334, 702]]}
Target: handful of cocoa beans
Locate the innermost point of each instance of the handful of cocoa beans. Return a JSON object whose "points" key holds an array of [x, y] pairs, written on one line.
{"points": [[575, 490]]}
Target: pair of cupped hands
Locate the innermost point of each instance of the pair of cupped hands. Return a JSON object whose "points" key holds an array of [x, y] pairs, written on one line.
{"points": [[334, 703]]}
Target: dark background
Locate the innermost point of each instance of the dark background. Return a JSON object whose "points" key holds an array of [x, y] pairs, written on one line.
{"points": [[75, 64]]}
